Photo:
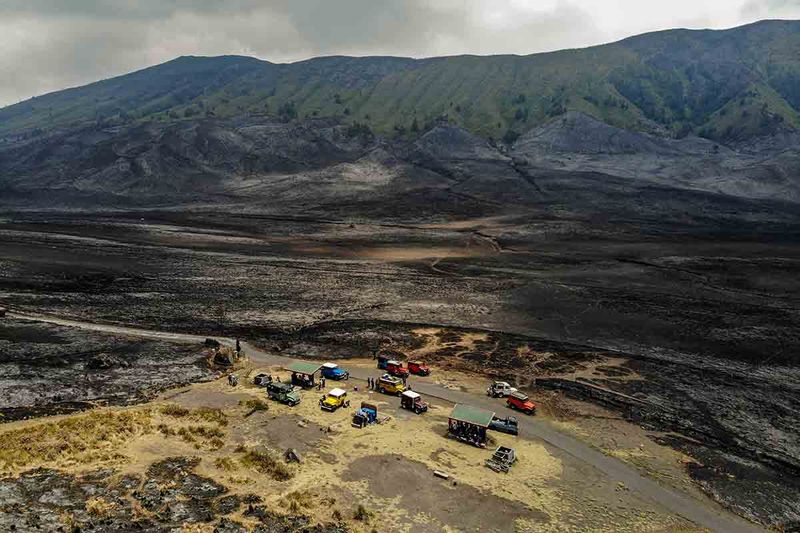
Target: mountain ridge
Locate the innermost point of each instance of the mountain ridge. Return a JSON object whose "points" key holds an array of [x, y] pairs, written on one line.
{"points": [[727, 85]]}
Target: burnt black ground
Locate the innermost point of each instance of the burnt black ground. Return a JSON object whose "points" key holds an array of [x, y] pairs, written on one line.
{"points": [[47, 369], [170, 490], [709, 322], [306, 238]]}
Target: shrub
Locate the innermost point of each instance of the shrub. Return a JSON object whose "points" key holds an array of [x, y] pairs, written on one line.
{"points": [[255, 405], [362, 514]]}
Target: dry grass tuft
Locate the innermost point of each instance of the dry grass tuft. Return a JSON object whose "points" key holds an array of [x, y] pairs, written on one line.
{"points": [[99, 507], [174, 410], [208, 436], [203, 414], [212, 415], [255, 405], [297, 501], [225, 463], [93, 437], [266, 463]]}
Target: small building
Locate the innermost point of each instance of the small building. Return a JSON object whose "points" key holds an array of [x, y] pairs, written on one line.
{"points": [[303, 373], [469, 424]]}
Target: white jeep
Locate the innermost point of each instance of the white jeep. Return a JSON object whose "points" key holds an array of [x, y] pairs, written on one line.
{"points": [[500, 389]]}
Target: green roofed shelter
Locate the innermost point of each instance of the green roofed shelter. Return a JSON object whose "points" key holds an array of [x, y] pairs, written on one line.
{"points": [[469, 424], [303, 373], [304, 367], [472, 415]]}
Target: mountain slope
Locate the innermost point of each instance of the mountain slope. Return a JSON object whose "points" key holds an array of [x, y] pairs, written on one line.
{"points": [[727, 85], [577, 143]]}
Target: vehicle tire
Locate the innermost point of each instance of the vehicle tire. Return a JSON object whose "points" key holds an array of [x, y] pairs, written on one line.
{"points": [[381, 390]]}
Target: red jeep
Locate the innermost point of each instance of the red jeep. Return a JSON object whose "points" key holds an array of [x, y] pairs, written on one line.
{"points": [[395, 368], [419, 368], [521, 402]]}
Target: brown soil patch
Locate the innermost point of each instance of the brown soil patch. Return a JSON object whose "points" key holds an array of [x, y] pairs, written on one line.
{"points": [[420, 493], [281, 431], [200, 397], [396, 253]]}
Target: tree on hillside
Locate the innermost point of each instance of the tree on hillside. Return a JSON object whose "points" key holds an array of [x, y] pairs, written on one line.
{"points": [[510, 136], [287, 111]]}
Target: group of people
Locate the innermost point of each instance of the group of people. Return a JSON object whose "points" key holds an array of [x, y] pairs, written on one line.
{"points": [[469, 432], [321, 384], [302, 380]]}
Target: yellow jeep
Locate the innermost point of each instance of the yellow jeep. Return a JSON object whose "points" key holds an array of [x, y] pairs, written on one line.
{"points": [[390, 385], [335, 399]]}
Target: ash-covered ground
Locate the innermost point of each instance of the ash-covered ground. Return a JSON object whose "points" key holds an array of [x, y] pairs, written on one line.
{"points": [[170, 492], [675, 300], [47, 369], [707, 345]]}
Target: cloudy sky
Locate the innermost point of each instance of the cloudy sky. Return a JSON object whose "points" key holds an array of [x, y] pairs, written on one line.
{"points": [[47, 45]]}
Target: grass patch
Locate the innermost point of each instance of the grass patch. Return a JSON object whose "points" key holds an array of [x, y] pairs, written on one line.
{"points": [[212, 415], [254, 405], [174, 410], [225, 463], [210, 436], [96, 436], [203, 414], [266, 463], [296, 501]]}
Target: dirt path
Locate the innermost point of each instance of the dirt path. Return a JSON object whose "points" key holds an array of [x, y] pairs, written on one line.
{"points": [[703, 513]]}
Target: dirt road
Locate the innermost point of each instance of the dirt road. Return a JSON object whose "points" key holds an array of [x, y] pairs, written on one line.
{"points": [[703, 513]]}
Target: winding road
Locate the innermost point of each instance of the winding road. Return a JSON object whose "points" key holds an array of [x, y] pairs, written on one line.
{"points": [[703, 513]]}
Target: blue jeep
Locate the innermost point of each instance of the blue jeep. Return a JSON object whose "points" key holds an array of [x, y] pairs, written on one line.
{"points": [[368, 414], [332, 371]]}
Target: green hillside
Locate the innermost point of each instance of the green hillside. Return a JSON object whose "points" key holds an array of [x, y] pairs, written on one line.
{"points": [[725, 85]]}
